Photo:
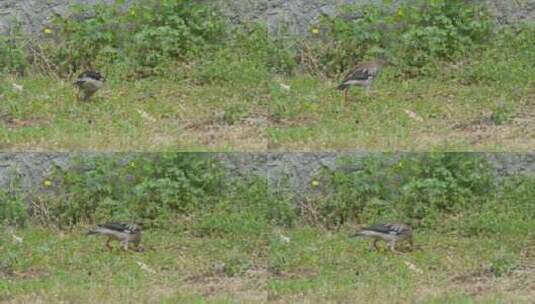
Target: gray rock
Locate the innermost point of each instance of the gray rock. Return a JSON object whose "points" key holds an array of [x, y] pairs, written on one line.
{"points": [[296, 15], [33, 15]]}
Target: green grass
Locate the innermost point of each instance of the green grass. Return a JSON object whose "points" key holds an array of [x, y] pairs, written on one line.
{"points": [[161, 114], [456, 82], [315, 266]]}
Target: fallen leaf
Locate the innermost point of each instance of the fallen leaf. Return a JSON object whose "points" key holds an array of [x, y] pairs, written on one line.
{"points": [[18, 87], [17, 239], [285, 239], [146, 116], [285, 87], [413, 267], [145, 267], [413, 115]]}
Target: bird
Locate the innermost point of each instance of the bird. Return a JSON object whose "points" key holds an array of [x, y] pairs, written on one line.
{"points": [[389, 232], [362, 75], [89, 82], [125, 233]]}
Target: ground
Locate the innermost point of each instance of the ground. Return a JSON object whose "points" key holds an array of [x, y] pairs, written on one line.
{"points": [[286, 114], [299, 265]]}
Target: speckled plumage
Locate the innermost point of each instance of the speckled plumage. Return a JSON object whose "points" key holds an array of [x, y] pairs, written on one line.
{"points": [[390, 233], [362, 75], [89, 82], [125, 233]]}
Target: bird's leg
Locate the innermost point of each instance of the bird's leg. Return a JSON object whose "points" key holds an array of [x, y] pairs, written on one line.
{"points": [[108, 244], [346, 92], [375, 244], [368, 91], [137, 248], [411, 243], [393, 246], [125, 245]]}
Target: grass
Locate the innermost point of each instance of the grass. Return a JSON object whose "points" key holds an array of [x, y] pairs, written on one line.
{"points": [[315, 266], [457, 83], [159, 114]]}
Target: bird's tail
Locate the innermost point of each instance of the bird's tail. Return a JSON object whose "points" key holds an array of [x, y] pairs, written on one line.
{"points": [[91, 232], [342, 87], [356, 235]]}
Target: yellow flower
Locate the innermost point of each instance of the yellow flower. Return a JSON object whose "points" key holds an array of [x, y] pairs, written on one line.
{"points": [[47, 183], [315, 183], [315, 30], [47, 31], [133, 164], [400, 12]]}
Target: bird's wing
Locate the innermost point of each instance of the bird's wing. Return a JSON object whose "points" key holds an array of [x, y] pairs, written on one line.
{"points": [[381, 228], [357, 74], [91, 74], [83, 74], [121, 227], [397, 228]]}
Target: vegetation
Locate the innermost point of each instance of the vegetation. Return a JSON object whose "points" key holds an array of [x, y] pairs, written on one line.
{"points": [[179, 77], [419, 188], [413, 37], [211, 239], [13, 57]]}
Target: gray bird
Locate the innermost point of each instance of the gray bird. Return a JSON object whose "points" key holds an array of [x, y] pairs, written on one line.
{"points": [[362, 75], [89, 82], [390, 233], [125, 233]]}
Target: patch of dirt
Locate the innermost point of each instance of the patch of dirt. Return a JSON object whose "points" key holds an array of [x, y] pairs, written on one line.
{"points": [[517, 285], [520, 282], [249, 287], [481, 123], [301, 273], [296, 122], [13, 123], [515, 132], [483, 132], [31, 273], [247, 135], [475, 282]]}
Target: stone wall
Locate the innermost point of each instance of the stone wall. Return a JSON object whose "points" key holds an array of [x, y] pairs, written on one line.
{"points": [[296, 14], [34, 14], [298, 169]]}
